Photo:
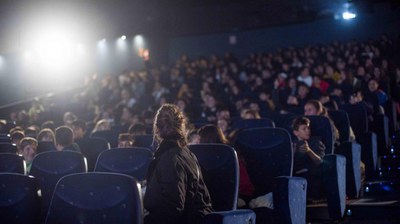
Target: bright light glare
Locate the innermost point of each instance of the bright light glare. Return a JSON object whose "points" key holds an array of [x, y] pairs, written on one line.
{"points": [[55, 52], [28, 55], [80, 48], [139, 41], [348, 15], [123, 37]]}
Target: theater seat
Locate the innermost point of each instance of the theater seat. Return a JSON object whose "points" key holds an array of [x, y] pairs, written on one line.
{"points": [[269, 157], [252, 123], [6, 147], [110, 135], [220, 169], [12, 163], [49, 167], [19, 200], [91, 149], [98, 198], [130, 161]]}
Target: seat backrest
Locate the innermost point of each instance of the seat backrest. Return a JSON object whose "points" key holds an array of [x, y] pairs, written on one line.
{"points": [[143, 141], [342, 123], [110, 135], [6, 147], [253, 123], [12, 163], [19, 199], [130, 161], [267, 153], [91, 149], [49, 167], [45, 147], [5, 137], [322, 127], [220, 169], [96, 198], [358, 118]]}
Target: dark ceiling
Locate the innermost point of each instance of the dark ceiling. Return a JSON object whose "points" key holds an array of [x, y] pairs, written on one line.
{"points": [[163, 18]]}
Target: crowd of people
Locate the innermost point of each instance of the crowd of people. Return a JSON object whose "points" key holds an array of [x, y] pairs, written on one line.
{"points": [[215, 91]]}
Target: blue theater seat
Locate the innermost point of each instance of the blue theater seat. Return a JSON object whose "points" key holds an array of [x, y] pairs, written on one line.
{"points": [[252, 123], [368, 140], [220, 169], [91, 149], [6, 147], [96, 198], [12, 163], [130, 161], [110, 135], [19, 200], [268, 155], [45, 147], [49, 167], [143, 141]]}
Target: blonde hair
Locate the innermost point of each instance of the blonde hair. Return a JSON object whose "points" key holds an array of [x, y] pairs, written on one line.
{"points": [[170, 124]]}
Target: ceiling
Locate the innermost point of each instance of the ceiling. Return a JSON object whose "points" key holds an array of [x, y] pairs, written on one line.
{"points": [[95, 19]]}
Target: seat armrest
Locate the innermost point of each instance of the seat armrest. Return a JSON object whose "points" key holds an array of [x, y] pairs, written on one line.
{"points": [[290, 198], [352, 152], [334, 182], [239, 216]]}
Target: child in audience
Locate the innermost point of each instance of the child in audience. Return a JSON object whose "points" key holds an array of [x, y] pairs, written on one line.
{"points": [[308, 154], [125, 140], [28, 151]]}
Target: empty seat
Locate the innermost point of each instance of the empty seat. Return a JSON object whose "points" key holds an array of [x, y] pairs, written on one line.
{"points": [[19, 200], [110, 135], [49, 167], [91, 149], [269, 157], [6, 147], [12, 163], [253, 123], [220, 169], [143, 141], [130, 161], [96, 198]]}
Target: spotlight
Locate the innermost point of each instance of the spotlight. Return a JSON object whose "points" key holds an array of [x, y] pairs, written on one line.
{"points": [[139, 41], [348, 15], [123, 37]]}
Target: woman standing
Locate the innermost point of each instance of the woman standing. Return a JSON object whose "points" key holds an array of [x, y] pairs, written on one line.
{"points": [[175, 192]]}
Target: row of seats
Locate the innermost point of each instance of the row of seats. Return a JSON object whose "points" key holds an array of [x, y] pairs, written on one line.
{"points": [[268, 154]]}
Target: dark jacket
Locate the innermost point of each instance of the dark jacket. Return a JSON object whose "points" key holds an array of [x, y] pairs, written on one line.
{"points": [[175, 192]]}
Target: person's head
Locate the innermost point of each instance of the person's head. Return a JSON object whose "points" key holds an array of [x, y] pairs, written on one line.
{"points": [[31, 131], [170, 124], [193, 137], [16, 137], [64, 137], [301, 128], [373, 85], [212, 134], [48, 124], [68, 118], [102, 125], [137, 129], [313, 107], [249, 114], [79, 127], [28, 148], [303, 91], [125, 140], [46, 135]]}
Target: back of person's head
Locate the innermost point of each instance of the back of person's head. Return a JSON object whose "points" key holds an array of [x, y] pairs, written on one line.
{"points": [[16, 136], [170, 124], [64, 136], [212, 134], [137, 129], [249, 114], [46, 135], [31, 131], [297, 122], [49, 125]]}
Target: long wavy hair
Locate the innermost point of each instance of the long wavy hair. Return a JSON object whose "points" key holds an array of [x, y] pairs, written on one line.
{"points": [[170, 124]]}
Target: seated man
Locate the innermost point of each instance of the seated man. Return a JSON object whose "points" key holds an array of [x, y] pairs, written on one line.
{"points": [[65, 139], [308, 154]]}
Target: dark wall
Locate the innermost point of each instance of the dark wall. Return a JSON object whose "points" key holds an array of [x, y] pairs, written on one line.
{"points": [[323, 31]]}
